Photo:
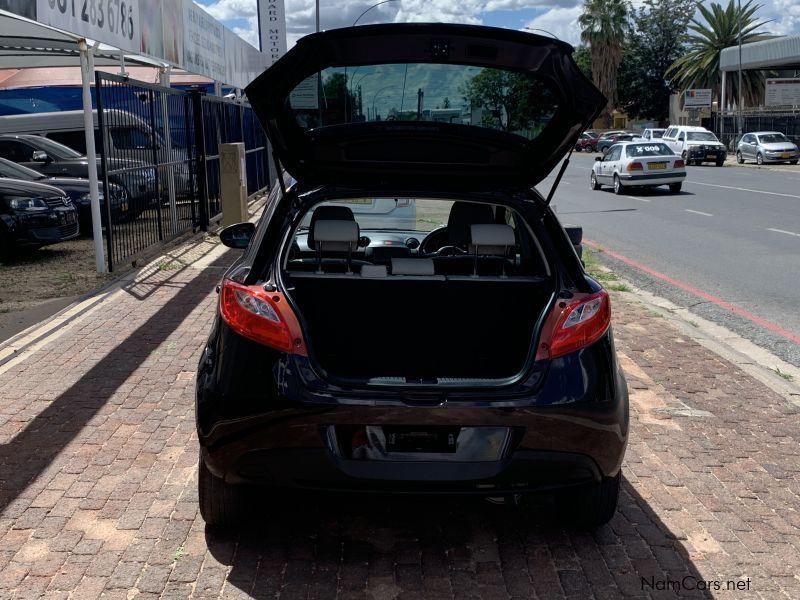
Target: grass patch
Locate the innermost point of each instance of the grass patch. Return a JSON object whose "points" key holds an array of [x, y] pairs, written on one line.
{"points": [[619, 287], [170, 266], [783, 375], [179, 553]]}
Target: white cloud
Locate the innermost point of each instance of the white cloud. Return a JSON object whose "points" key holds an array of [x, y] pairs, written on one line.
{"points": [[560, 22], [522, 4], [226, 10]]}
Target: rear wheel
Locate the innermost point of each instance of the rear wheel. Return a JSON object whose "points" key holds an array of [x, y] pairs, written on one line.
{"points": [[593, 507], [595, 185], [617, 185], [759, 159], [674, 188], [220, 503], [739, 158], [720, 162]]}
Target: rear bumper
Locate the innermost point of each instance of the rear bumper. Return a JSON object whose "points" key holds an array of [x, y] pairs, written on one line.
{"points": [[319, 469], [652, 179]]}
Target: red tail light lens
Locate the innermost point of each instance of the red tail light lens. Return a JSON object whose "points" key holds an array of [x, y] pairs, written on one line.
{"points": [[575, 324], [261, 316], [635, 166], [680, 164]]}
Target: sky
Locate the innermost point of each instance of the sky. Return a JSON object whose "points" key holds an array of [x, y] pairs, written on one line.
{"points": [[558, 17]]}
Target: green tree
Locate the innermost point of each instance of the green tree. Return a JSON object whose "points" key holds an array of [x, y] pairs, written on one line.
{"points": [[512, 101], [719, 29], [583, 58], [340, 103], [604, 26], [657, 42]]}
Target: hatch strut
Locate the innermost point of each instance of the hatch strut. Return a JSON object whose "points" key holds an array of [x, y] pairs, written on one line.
{"points": [[559, 176]]}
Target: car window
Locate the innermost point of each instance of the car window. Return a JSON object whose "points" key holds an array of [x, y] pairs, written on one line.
{"points": [[509, 101], [773, 138], [614, 153], [649, 149], [74, 139], [15, 171], [656, 133], [53, 149], [701, 136], [130, 138], [681, 136], [670, 133], [16, 151]]}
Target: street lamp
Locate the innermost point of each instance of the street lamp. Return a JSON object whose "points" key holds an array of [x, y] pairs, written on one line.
{"points": [[375, 97], [370, 8], [739, 102]]}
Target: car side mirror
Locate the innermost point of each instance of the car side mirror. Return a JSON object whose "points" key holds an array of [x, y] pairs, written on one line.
{"points": [[238, 235], [597, 159], [41, 156]]}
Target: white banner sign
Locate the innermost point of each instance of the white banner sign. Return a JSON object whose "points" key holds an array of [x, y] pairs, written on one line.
{"points": [[306, 94], [204, 43], [782, 92], [114, 22], [696, 98], [272, 24]]}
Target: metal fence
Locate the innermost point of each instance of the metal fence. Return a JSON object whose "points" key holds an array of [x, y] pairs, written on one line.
{"points": [[159, 151], [727, 126]]}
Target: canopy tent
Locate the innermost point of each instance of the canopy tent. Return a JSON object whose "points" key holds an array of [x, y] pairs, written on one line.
{"points": [[25, 43], [777, 53]]}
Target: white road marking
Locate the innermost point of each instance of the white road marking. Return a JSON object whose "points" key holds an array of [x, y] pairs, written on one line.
{"points": [[741, 189], [783, 231], [639, 199], [697, 212]]}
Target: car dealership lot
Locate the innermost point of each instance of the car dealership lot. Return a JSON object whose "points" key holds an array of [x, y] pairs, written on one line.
{"points": [[98, 468]]}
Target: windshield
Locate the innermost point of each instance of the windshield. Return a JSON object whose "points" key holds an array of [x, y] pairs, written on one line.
{"points": [[503, 100], [407, 214], [635, 150], [701, 136], [657, 133], [15, 171], [773, 138], [54, 149]]}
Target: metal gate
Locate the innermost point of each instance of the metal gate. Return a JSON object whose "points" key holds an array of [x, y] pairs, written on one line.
{"points": [[159, 150]]}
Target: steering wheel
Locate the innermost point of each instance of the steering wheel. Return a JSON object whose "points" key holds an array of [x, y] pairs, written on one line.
{"points": [[449, 251], [433, 242]]}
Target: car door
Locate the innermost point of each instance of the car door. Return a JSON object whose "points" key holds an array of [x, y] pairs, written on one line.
{"points": [[336, 106], [608, 163]]}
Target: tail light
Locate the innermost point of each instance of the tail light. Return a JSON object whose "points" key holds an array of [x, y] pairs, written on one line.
{"points": [[261, 316], [679, 164], [635, 166], [574, 324]]}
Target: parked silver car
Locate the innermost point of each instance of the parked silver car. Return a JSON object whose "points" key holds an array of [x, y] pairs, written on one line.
{"points": [[766, 147]]}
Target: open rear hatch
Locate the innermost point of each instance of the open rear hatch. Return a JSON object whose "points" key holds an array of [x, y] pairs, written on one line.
{"points": [[426, 105]]}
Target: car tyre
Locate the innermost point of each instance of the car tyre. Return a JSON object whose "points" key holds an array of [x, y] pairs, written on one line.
{"points": [[593, 507], [593, 181], [793, 162], [739, 158], [720, 162], [6, 249], [759, 159], [675, 188], [220, 503], [617, 185]]}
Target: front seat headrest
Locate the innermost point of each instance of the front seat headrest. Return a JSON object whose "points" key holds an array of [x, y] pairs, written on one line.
{"points": [[462, 216], [327, 213]]}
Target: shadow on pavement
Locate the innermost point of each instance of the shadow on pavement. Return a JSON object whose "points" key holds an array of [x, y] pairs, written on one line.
{"points": [[322, 546], [35, 447]]}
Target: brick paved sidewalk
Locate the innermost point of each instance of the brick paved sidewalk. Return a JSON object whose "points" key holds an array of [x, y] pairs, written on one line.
{"points": [[98, 481]]}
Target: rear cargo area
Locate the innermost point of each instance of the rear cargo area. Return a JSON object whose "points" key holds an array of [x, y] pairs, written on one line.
{"points": [[419, 329]]}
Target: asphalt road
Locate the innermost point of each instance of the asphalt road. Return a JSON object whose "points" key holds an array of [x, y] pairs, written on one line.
{"points": [[727, 246]]}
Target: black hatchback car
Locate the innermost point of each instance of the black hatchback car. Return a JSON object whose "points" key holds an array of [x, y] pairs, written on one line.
{"points": [[469, 354], [34, 215]]}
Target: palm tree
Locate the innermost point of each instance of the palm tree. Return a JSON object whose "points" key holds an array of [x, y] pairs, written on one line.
{"points": [[699, 67], [604, 26]]}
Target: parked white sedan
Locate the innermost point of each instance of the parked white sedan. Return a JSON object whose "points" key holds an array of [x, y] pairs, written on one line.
{"points": [[638, 164]]}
